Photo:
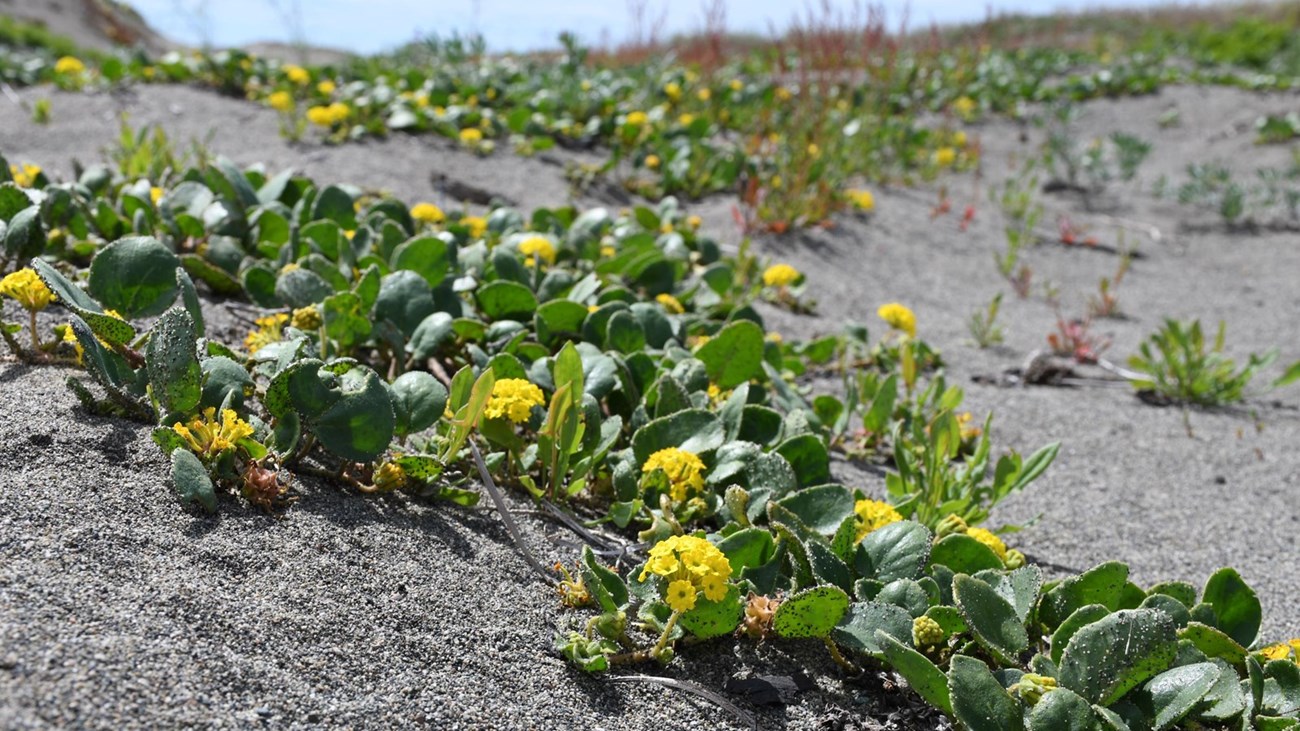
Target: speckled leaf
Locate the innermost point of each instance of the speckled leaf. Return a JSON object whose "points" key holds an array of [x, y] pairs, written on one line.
{"points": [[991, 619], [1082, 617], [921, 674], [1113, 655], [978, 700], [136, 276], [857, 630], [360, 423], [1174, 693], [895, 551], [1062, 709], [821, 508], [811, 613], [224, 378], [191, 480], [734, 355], [714, 619], [1103, 584], [175, 376]]}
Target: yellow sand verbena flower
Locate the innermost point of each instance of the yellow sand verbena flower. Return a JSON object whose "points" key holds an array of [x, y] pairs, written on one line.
{"points": [[24, 175], [673, 90], [945, 157], [326, 87], [329, 116], [964, 106], [307, 318], [704, 94], [861, 199], [69, 65], [670, 303], [514, 399], [988, 538], [684, 470], [537, 247], [693, 561], [280, 101], [873, 514], [780, 275], [207, 437], [270, 329], [427, 213], [680, 595], [28, 289], [155, 194], [652, 162], [297, 75], [471, 135], [898, 317], [477, 226], [637, 119]]}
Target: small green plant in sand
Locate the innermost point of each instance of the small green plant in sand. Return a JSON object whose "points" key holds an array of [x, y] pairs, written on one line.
{"points": [[1177, 364], [983, 324]]}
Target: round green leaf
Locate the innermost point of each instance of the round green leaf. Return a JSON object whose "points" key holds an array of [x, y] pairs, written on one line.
{"points": [[136, 276], [811, 613], [734, 355], [427, 256], [714, 619], [418, 401], [505, 300], [405, 299]]}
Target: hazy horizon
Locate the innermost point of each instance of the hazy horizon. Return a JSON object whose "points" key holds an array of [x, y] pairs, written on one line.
{"points": [[372, 26]]}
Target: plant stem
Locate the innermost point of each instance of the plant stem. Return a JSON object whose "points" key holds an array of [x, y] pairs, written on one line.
{"points": [[36, 340], [663, 639], [838, 658]]}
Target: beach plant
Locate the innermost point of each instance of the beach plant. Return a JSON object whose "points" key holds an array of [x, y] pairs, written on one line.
{"points": [[983, 324], [1177, 364]]}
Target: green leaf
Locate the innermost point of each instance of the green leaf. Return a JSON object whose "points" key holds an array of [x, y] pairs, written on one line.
{"points": [[811, 613], [1174, 693], [713, 619], [427, 256], [1115, 654], [1082, 617], [1226, 699], [1235, 605], [921, 674], [694, 430], [624, 334], [1103, 584], [978, 700], [359, 423], [1291, 375], [335, 204], [173, 365], [821, 508], [1062, 709], [748, 547], [136, 276], [858, 630], [418, 402], [190, 478], [25, 236], [807, 454], [404, 300], [505, 300], [734, 355], [963, 554], [224, 381], [345, 320], [301, 287], [991, 618], [895, 551]]}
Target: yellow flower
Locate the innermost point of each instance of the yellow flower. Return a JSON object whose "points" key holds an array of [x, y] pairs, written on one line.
{"points": [[155, 194], [652, 161], [774, 337], [780, 275], [862, 199], [673, 90], [989, 539], [297, 75], [873, 514], [814, 151], [68, 336], [945, 157], [69, 65], [683, 469], [471, 135], [329, 116], [592, 308], [637, 119], [608, 251], [693, 221], [477, 226], [206, 437], [28, 289], [782, 94], [307, 318], [25, 175], [513, 398], [777, 182], [281, 101], [703, 94], [959, 138], [326, 87], [968, 430], [737, 85], [964, 106], [898, 317], [670, 303], [1280, 651], [270, 329], [681, 595], [427, 213], [537, 247]]}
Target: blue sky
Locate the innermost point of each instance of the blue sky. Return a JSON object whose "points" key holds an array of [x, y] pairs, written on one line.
{"points": [[369, 26]]}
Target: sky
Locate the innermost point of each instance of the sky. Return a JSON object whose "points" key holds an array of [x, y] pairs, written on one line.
{"points": [[371, 26]]}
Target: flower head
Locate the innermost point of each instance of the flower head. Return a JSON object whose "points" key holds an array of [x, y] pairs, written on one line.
{"points": [[691, 565], [964, 106], [683, 469], [270, 329], [25, 175], [28, 289], [207, 437], [898, 317], [673, 90], [477, 226], [537, 247], [326, 87], [863, 200], [427, 213], [281, 101], [471, 135], [670, 303], [637, 119], [989, 539], [680, 595], [297, 75], [329, 116], [945, 157], [652, 162], [69, 65], [873, 514], [514, 399], [307, 318], [780, 275]]}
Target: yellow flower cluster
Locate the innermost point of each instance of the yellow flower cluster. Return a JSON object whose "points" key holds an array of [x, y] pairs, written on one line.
{"points": [[207, 437], [307, 318], [945, 157], [270, 329], [652, 162], [988, 538], [637, 119], [477, 226], [684, 470], [898, 317], [427, 213], [297, 75], [1283, 650], [863, 200], [326, 87], [471, 135], [329, 116], [964, 106], [25, 175], [670, 303], [873, 514], [69, 65], [691, 565], [537, 247], [280, 101], [24, 286], [780, 275], [514, 399], [673, 90]]}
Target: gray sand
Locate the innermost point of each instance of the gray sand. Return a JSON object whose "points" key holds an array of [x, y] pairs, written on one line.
{"points": [[119, 609]]}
